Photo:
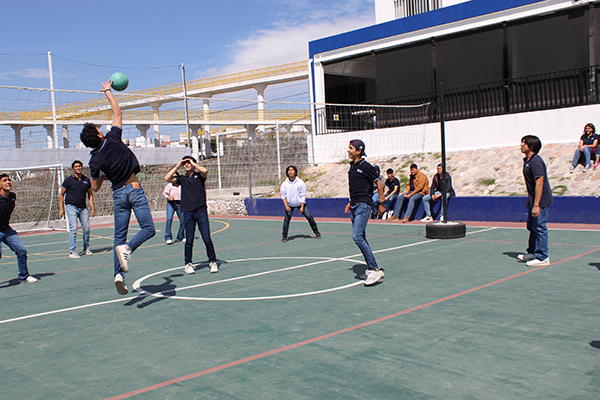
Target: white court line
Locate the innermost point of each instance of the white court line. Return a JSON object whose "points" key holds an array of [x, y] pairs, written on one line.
{"points": [[138, 288], [64, 310], [25, 317], [413, 244], [79, 233]]}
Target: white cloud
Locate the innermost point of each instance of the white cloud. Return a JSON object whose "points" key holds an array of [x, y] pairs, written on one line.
{"points": [[288, 37], [36, 73]]}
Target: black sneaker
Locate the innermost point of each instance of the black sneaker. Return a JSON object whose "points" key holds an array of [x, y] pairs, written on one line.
{"points": [[284, 238], [318, 234]]}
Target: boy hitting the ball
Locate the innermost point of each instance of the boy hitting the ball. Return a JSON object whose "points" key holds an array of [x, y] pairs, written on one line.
{"points": [[119, 165]]}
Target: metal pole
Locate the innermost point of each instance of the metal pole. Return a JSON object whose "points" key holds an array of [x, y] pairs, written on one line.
{"points": [[278, 151], [62, 179], [443, 135], [249, 163], [219, 162], [313, 124], [50, 73], [187, 116]]}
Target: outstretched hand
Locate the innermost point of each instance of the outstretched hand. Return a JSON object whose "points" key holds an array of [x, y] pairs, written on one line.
{"points": [[106, 85]]}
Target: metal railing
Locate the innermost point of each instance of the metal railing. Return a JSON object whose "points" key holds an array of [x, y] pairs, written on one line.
{"points": [[570, 88]]}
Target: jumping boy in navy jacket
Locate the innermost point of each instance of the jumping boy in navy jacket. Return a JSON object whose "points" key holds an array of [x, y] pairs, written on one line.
{"points": [[120, 166]]}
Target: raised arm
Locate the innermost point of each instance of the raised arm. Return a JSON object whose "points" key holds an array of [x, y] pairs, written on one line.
{"points": [[203, 171], [117, 114], [169, 176]]}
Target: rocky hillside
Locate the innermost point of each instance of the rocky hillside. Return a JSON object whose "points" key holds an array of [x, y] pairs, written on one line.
{"points": [[496, 171]]}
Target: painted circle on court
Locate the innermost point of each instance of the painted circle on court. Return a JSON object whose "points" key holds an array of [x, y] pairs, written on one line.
{"points": [[137, 285]]}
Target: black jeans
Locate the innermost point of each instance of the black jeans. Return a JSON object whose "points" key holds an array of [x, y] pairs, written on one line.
{"points": [[199, 217], [307, 215]]}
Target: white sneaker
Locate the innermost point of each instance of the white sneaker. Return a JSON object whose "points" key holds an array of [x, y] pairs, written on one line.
{"points": [[73, 255], [120, 284], [213, 267], [30, 279], [183, 240], [189, 269], [123, 253], [526, 257], [88, 252], [442, 218], [538, 263], [572, 169], [384, 216], [169, 241], [373, 275], [587, 167], [427, 219]]}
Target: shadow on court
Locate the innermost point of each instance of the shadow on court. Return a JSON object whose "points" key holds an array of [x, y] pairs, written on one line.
{"points": [[595, 344], [166, 289], [102, 249], [597, 265], [16, 281], [359, 273], [299, 237], [512, 254]]}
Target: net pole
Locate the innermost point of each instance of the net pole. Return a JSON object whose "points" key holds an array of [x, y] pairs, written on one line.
{"points": [[278, 150], [249, 163], [219, 162], [56, 172], [51, 75], [313, 125], [185, 102], [62, 179], [443, 139]]}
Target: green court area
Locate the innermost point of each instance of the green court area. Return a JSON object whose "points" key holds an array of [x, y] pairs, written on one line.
{"points": [[452, 319]]}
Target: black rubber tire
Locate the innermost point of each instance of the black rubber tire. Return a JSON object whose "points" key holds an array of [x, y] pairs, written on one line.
{"points": [[445, 230]]}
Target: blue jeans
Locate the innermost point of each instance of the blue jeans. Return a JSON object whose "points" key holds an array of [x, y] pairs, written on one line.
{"points": [[538, 234], [375, 199], [411, 204], [426, 202], [307, 215], [390, 202], [13, 241], [173, 208], [587, 154], [73, 213], [200, 218], [127, 199], [359, 215]]}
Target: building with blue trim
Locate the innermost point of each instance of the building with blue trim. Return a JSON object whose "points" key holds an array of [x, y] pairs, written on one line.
{"points": [[507, 68]]}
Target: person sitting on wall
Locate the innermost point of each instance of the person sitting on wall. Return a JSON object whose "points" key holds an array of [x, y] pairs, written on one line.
{"points": [[436, 190], [392, 188], [586, 150], [418, 186]]}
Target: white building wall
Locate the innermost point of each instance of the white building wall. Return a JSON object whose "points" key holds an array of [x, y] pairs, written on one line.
{"points": [[551, 126], [385, 9]]}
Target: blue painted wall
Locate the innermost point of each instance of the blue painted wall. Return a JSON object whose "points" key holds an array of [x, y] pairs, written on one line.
{"points": [[566, 209], [458, 12]]}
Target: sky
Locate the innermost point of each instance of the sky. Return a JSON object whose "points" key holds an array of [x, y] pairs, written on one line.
{"points": [[209, 37]]}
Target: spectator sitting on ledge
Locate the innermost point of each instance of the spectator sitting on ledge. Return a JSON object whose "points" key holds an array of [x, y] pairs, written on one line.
{"points": [[436, 190], [586, 149], [418, 186]]}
